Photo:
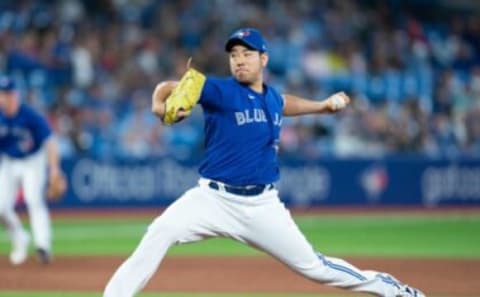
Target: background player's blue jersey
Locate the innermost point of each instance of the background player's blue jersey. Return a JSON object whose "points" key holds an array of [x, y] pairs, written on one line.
{"points": [[24, 133], [242, 129]]}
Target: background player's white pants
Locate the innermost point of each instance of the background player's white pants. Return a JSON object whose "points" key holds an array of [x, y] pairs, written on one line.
{"points": [[31, 173], [261, 221]]}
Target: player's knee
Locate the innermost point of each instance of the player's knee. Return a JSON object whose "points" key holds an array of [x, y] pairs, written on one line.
{"points": [[3, 213], [36, 205], [314, 271], [166, 229], [7, 216]]}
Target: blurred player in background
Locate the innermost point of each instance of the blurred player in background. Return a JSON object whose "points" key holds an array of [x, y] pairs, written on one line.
{"points": [[26, 149]]}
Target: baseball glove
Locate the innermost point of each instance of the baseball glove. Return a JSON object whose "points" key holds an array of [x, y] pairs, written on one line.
{"points": [[184, 96], [57, 185]]}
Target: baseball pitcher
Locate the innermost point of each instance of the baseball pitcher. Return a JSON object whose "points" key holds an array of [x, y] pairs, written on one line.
{"points": [[28, 158], [236, 195]]}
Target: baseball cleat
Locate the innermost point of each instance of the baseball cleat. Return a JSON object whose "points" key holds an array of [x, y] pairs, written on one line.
{"points": [[407, 291], [19, 252], [43, 256]]}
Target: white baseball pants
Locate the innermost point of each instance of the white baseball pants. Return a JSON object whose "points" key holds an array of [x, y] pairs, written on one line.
{"points": [[261, 221], [31, 174]]}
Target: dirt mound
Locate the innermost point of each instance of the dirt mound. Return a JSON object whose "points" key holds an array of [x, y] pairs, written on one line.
{"points": [[234, 274]]}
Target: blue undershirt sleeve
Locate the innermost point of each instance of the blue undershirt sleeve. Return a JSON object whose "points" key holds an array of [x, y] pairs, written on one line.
{"points": [[211, 95]]}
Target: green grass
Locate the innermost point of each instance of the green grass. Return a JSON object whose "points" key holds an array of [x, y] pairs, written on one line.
{"points": [[452, 236], [443, 235]]}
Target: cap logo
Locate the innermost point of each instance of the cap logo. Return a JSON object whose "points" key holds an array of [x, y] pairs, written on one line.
{"points": [[242, 34]]}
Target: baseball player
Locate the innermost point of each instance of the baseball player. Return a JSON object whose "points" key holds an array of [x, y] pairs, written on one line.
{"points": [[236, 195], [26, 148]]}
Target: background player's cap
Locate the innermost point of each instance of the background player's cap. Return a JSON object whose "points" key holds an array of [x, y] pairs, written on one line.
{"points": [[251, 38], [6, 84]]}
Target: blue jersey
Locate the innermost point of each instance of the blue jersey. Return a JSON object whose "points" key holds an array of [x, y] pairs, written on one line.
{"points": [[242, 129], [24, 133]]}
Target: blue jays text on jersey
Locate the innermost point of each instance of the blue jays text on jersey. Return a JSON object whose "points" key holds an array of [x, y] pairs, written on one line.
{"points": [[24, 133], [258, 116], [242, 130]]}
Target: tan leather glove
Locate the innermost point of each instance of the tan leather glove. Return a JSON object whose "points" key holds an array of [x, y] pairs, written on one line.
{"points": [[185, 95]]}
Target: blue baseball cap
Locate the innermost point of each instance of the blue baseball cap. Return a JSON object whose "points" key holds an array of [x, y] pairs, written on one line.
{"points": [[251, 38], [6, 84]]}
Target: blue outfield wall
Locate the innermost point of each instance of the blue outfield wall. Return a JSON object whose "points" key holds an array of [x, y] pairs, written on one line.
{"points": [[406, 181]]}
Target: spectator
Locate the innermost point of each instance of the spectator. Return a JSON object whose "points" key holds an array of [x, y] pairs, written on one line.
{"points": [[417, 76]]}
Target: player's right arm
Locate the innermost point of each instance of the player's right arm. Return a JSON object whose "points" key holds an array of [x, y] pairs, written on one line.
{"points": [[294, 105]]}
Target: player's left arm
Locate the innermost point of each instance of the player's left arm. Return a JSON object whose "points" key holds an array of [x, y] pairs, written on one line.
{"points": [[53, 158], [173, 101], [294, 105], [160, 95], [57, 183]]}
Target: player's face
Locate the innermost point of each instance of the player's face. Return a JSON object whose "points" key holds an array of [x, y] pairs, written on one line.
{"points": [[5, 100], [247, 65]]}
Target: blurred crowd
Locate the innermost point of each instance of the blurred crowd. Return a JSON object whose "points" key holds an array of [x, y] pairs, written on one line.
{"points": [[412, 69]]}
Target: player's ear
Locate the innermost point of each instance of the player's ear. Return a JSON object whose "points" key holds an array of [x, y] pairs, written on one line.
{"points": [[264, 59]]}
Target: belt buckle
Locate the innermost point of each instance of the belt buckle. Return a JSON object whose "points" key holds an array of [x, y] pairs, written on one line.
{"points": [[249, 190], [213, 185], [253, 190]]}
